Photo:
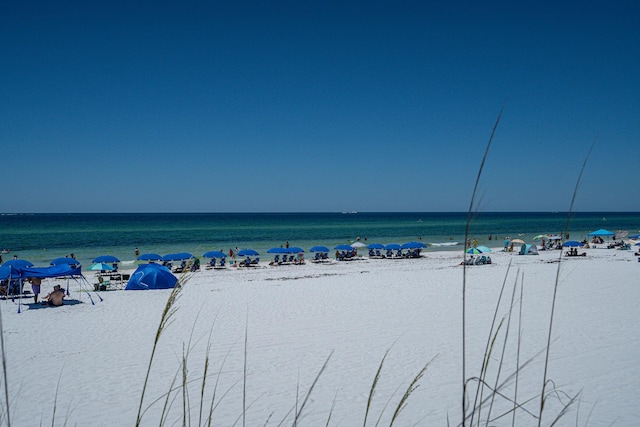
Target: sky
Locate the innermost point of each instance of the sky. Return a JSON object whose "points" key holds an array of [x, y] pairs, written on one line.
{"points": [[289, 106]]}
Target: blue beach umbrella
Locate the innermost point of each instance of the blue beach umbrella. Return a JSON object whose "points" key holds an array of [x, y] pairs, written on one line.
{"points": [[180, 256], [473, 251], [295, 250], [393, 246], [484, 249], [572, 244], [17, 263], [150, 257], [106, 259], [375, 246], [248, 252], [214, 254], [100, 267], [278, 250], [634, 236], [414, 245], [65, 260], [319, 249], [5, 272], [344, 247]]}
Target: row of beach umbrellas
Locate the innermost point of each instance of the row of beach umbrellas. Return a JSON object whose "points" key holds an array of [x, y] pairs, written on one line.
{"points": [[322, 249]]}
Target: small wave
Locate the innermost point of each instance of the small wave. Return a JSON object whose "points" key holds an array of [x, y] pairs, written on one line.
{"points": [[444, 244]]}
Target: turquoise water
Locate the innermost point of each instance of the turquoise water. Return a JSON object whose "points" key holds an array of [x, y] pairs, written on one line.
{"points": [[43, 237]]}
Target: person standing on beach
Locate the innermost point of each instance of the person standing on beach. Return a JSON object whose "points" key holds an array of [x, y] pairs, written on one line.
{"points": [[35, 287]]}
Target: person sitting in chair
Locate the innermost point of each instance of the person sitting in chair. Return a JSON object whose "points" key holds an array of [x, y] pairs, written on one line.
{"points": [[55, 297]]}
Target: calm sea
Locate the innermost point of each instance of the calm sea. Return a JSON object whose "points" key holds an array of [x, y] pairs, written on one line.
{"points": [[40, 238]]}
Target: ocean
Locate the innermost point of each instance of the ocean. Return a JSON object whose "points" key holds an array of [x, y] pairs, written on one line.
{"points": [[40, 238]]}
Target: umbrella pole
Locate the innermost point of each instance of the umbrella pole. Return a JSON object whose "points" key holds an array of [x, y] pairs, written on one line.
{"points": [[20, 295], [86, 290]]}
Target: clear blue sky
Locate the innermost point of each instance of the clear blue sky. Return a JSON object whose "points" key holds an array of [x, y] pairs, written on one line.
{"points": [[128, 106]]}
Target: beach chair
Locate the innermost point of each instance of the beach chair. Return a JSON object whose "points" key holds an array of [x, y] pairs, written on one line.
{"points": [[104, 283], [255, 262], [222, 262]]}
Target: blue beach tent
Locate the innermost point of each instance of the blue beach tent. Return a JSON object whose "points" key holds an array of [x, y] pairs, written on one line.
{"points": [[19, 274], [60, 270], [151, 276], [527, 249]]}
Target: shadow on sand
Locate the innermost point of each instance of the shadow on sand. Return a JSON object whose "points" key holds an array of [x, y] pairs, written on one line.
{"points": [[37, 306]]}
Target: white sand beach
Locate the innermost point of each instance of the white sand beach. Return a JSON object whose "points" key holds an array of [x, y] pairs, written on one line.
{"points": [[88, 362]]}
